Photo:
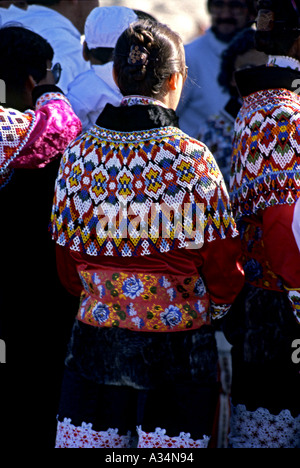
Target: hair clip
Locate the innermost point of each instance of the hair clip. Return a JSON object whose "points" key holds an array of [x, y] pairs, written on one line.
{"points": [[138, 55], [265, 20]]}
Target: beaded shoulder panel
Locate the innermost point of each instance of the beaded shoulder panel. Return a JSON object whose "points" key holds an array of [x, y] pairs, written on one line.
{"points": [[15, 129], [265, 167], [136, 193]]}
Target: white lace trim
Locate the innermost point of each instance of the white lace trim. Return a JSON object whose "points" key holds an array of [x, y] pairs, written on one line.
{"points": [[159, 439], [283, 62], [70, 436], [261, 429]]}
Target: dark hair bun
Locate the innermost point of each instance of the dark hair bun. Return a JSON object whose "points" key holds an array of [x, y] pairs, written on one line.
{"points": [[140, 54], [146, 54]]}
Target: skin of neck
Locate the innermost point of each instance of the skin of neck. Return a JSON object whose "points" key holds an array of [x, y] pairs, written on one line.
{"points": [[174, 86]]}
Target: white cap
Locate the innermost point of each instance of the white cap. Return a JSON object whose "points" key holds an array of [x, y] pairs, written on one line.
{"points": [[104, 25]]}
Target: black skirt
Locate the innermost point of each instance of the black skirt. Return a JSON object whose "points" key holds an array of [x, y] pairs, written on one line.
{"points": [[121, 378], [261, 327]]}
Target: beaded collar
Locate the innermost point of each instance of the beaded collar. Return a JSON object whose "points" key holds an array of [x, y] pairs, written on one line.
{"points": [[141, 100], [283, 62]]}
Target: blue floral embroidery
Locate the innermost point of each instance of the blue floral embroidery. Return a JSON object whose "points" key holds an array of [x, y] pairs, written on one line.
{"points": [[84, 282], [200, 308], [97, 281], [200, 289], [101, 313], [164, 282], [83, 307], [139, 322], [133, 287], [131, 310], [172, 293], [171, 316]]}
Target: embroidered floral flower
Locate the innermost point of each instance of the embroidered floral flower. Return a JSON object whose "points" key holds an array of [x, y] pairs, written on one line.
{"points": [[171, 316], [84, 282], [164, 282], [139, 322], [101, 312], [83, 306], [172, 293], [133, 287], [131, 310], [200, 307], [200, 289], [97, 282]]}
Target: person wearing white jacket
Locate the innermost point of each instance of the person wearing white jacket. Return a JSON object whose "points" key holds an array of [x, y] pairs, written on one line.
{"points": [[8, 8], [202, 95], [93, 89], [61, 23], [89, 100]]}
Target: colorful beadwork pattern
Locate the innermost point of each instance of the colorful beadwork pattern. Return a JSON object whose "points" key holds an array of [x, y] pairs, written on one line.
{"points": [[135, 100], [145, 302], [49, 97], [265, 172], [15, 129], [266, 152], [163, 181], [294, 298], [217, 135]]}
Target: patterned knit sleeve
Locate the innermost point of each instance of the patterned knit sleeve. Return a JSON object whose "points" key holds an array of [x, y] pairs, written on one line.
{"points": [[15, 129], [32, 139]]}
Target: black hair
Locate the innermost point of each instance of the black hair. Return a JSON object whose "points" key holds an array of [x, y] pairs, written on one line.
{"points": [[143, 15], [101, 54], [106, 54], [239, 45], [146, 54], [278, 26], [43, 2], [251, 5], [22, 53]]}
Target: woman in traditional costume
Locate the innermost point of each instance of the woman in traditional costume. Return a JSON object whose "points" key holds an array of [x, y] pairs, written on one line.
{"points": [[37, 123], [264, 321], [145, 235]]}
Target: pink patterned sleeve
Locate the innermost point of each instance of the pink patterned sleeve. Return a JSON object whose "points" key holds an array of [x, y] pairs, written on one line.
{"points": [[55, 126]]}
